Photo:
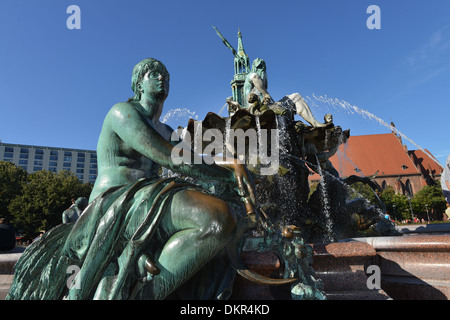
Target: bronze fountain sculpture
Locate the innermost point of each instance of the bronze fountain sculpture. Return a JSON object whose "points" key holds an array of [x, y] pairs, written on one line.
{"points": [[144, 236]]}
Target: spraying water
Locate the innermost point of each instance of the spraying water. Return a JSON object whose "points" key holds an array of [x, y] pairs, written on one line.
{"points": [[258, 131], [334, 102], [325, 202], [228, 144], [179, 114], [283, 134], [223, 108], [343, 155]]}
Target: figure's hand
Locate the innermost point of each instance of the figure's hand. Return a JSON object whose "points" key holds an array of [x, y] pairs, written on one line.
{"points": [[245, 183], [246, 187]]}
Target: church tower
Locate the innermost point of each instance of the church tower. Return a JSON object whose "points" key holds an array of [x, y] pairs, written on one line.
{"points": [[241, 69], [241, 61]]}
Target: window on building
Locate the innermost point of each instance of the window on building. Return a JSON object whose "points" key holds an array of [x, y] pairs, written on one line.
{"points": [[80, 165], [53, 153], [24, 167], [80, 170], [8, 155], [37, 168], [53, 164], [9, 149], [24, 155], [93, 166], [52, 169], [409, 189], [401, 187], [38, 162], [25, 162], [39, 151], [39, 156], [66, 158], [54, 158], [67, 164], [80, 176], [24, 150]]}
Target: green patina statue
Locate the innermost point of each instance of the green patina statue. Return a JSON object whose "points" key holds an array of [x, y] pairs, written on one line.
{"points": [[147, 237], [256, 84], [141, 236], [249, 83], [73, 213]]}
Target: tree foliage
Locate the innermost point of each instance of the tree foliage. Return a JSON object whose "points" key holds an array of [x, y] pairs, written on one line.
{"points": [[430, 199], [360, 189], [36, 201], [399, 206], [12, 179]]}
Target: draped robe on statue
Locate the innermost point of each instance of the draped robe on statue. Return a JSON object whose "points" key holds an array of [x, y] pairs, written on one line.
{"points": [[104, 245]]}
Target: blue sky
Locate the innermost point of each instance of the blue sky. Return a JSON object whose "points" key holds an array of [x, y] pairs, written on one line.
{"points": [[56, 84]]}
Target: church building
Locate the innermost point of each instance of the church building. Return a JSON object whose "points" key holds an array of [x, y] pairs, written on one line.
{"points": [[387, 161]]}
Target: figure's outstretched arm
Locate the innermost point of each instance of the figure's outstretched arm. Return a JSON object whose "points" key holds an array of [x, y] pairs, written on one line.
{"points": [[303, 110], [245, 183], [139, 134]]}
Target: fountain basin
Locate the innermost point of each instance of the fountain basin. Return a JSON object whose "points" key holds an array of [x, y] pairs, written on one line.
{"points": [[7, 261], [412, 267], [415, 267], [340, 266]]}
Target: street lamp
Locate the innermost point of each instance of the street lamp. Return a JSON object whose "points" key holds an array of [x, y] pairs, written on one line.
{"points": [[410, 207], [426, 206]]}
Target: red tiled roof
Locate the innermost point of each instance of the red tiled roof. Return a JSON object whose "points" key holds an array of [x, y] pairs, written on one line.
{"points": [[425, 163], [367, 154]]}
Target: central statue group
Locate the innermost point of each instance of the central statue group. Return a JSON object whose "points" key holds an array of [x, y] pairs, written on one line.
{"points": [[141, 236]]}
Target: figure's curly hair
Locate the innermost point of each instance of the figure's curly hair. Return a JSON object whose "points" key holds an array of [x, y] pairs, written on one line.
{"points": [[140, 70]]}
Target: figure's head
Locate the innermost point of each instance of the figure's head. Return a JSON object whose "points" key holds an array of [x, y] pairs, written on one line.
{"points": [[259, 67], [252, 97], [146, 66], [328, 118]]}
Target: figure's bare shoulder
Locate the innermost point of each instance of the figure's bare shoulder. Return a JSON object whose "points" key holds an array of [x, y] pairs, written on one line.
{"points": [[122, 110], [122, 115]]}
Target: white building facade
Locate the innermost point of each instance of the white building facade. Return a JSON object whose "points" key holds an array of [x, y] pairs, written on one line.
{"points": [[34, 158]]}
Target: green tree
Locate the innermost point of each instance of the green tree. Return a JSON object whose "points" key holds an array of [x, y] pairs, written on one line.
{"points": [[45, 196], [360, 189], [11, 180], [429, 198], [397, 205]]}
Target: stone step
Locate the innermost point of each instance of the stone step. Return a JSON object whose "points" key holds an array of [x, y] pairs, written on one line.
{"points": [[358, 295]]}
